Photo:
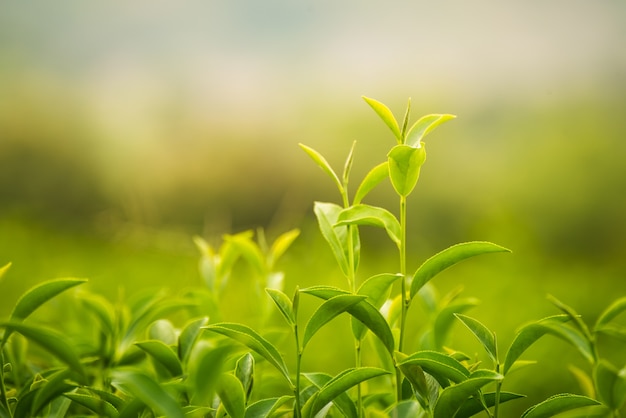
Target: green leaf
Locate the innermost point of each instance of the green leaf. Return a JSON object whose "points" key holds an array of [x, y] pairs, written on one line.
{"points": [[486, 337], [377, 289], [528, 335], [610, 384], [574, 337], [415, 375], [323, 164], [50, 340], [576, 318], [364, 312], [449, 257], [37, 296], [474, 405], [188, 337], [347, 168], [371, 180], [56, 385], [423, 127], [338, 385], [453, 397], [164, 355], [251, 339], [162, 330], [405, 163], [266, 407], [249, 250], [557, 404], [102, 309], [362, 214], [282, 243], [94, 404], [385, 114], [205, 366], [442, 367], [148, 391], [407, 116], [404, 409], [445, 318], [337, 237], [610, 313], [327, 311], [342, 402], [232, 395], [244, 370], [284, 305]]}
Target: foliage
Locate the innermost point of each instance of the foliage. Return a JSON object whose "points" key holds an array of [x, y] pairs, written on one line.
{"points": [[131, 359]]}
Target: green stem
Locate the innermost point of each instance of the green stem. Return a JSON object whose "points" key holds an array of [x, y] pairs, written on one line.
{"points": [[403, 291], [298, 411]]}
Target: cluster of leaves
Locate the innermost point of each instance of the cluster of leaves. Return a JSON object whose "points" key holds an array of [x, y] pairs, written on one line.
{"points": [[130, 360]]}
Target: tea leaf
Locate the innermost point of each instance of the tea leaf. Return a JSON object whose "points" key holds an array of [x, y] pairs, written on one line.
{"points": [[574, 337], [323, 164], [266, 407], [610, 313], [253, 341], [148, 391], [94, 404], [404, 409], [486, 337], [230, 391], [283, 242], [327, 311], [162, 330], [244, 370], [52, 341], [164, 355], [445, 318], [407, 116], [371, 180], [327, 214], [342, 402], [102, 309], [347, 168], [453, 397], [377, 289], [415, 375], [526, 336], [283, 304], [438, 365], [249, 250], [364, 312], [205, 366], [56, 385], [449, 257], [557, 404], [576, 318], [405, 163], [362, 214], [610, 384], [423, 127], [188, 337], [338, 385], [473, 405], [386, 115]]}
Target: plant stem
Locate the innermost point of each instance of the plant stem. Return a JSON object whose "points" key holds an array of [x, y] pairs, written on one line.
{"points": [[405, 298], [298, 411], [3, 390]]}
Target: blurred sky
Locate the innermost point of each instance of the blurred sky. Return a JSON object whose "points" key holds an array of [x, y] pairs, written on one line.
{"points": [[144, 97]]}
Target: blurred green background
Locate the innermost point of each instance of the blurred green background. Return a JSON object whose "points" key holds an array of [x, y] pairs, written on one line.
{"points": [[127, 128]]}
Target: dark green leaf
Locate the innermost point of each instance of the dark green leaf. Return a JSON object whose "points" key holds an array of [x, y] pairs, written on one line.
{"points": [[448, 257], [323, 164], [364, 312], [95, 404], [50, 340], [423, 127], [342, 402], [557, 404], [371, 180], [251, 339], [415, 375], [338, 385], [453, 397], [188, 337], [164, 355], [438, 365], [284, 305], [405, 163], [386, 115], [327, 311], [373, 216], [526, 336], [266, 407], [486, 337], [56, 385], [474, 405], [148, 391], [232, 395]]}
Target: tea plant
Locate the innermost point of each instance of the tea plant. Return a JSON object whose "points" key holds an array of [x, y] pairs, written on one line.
{"points": [[130, 359]]}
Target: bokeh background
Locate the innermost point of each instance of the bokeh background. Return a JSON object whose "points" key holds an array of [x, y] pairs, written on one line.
{"points": [[128, 127]]}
